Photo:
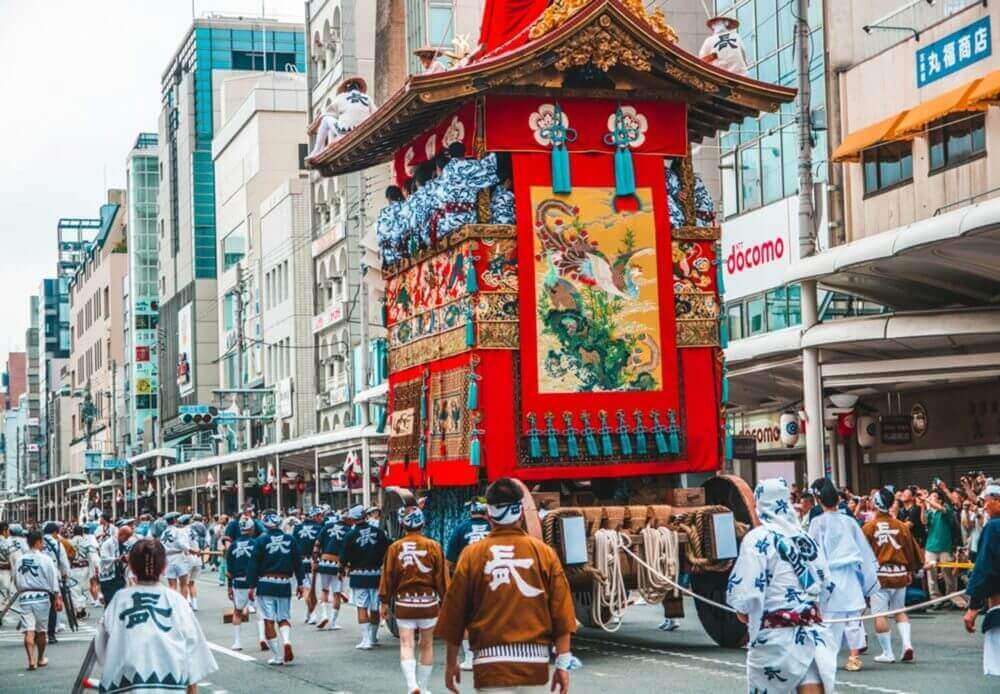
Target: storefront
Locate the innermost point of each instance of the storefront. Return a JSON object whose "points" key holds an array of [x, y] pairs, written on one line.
{"points": [[779, 449]]}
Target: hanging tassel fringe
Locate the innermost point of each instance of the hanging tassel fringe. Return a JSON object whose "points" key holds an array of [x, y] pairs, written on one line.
{"points": [[659, 435], [534, 442], [572, 447], [475, 447], [471, 281], [622, 137], [640, 434], [588, 435], [551, 436], [470, 330], [723, 332], [559, 134], [472, 396], [606, 446], [720, 263], [673, 434], [623, 434]]}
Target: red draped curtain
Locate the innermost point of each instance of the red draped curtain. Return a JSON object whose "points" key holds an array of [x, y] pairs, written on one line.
{"points": [[505, 19]]}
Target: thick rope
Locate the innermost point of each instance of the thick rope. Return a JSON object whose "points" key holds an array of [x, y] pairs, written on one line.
{"points": [[610, 593], [727, 608], [661, 548]]}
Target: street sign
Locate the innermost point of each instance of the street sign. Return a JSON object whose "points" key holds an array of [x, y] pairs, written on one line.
{"points": [[744, 448], [956, 51], [896, 430]]}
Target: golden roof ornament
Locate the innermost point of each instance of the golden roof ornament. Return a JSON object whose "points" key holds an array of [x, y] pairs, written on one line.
{"points": [[560, 11]]}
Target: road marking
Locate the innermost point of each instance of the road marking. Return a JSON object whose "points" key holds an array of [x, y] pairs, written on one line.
{"points": [[232, 654]]}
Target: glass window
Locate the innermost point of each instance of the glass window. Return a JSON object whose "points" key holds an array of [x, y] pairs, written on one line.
{"points": [[794, 297], [727, 166], [770, 165], [440, 23], [777, 309], [755, 316], [233, 248], [887, 165], [956, 139], [734, 314], [229, 312], [749, 178]]}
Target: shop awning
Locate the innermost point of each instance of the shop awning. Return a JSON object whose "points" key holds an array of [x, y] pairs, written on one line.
{"points": [[988, 89], [953, 101], [75, 477], [952, 259], [883, 131], [79, 488]]}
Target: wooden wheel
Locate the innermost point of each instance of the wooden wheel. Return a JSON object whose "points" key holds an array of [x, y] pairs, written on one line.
{"points": [[395, 498], [721, 626], [733, 493]]}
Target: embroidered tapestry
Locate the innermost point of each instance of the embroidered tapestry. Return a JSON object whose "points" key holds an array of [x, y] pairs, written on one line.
{"points": [[404, 421]]}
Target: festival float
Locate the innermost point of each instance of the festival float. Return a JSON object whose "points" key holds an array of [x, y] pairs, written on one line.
{"points": [[579, 348]]}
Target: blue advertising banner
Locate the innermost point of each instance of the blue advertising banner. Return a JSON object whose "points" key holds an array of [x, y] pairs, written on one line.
{"points": [[956, 51]]}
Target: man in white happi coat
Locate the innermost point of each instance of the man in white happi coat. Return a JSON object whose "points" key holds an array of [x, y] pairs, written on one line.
{"points": [[724, 48], [344, 112]]}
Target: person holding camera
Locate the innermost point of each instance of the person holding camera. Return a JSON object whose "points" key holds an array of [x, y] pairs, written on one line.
{"points": [[939, 517], [984, 583]]}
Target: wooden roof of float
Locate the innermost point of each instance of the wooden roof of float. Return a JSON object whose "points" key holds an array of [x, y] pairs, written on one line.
{"points": [[640, 60]]}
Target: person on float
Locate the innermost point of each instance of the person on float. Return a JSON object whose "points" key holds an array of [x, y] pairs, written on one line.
{"points": [[177, 545], [363, 552], [983, 588], [387, 228], [898, 556], [414, 580], [329, 571], [777, 586], [348, 109], [853, 570], [510, 593], [724, 47], [239, 556], [149, 639], [37, 579], [458, 187], [306, 533], [430, 60], [276, 562], [502, 197]]}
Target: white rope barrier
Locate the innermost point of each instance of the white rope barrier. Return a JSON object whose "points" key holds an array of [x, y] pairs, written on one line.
{"points": [[727, 608]]}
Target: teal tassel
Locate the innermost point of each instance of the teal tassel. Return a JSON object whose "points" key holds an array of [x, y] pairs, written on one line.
{"points": [[470, 330], [471, 282], [475, 452], [572, 447], [534, 443], [606, 447], [472, 401], [588, 435], [725, 388], [720, 283], [723, 332], [422, 455], [729, 446], [624, 172], [551, 436], [622, 138], [674, 439], [623, 439], [423, 399], [561, 184], [659, 435], [640, 434]]}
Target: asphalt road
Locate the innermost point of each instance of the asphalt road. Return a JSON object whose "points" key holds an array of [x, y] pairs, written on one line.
{"points": [[638, 658]]}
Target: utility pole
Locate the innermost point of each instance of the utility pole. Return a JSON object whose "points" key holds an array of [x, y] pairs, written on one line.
{"points": [[240, 335], [812, 387]]}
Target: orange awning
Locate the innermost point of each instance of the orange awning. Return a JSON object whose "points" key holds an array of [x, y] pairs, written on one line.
{"points": [[987, 90], [953, 101], [883, 131]]}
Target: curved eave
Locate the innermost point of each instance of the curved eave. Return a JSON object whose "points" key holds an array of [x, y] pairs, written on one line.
{"points": [[716, 99]]}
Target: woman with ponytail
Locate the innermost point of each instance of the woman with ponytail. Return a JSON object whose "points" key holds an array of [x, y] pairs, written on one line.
{"points": [[853, 569], [148, 639]]}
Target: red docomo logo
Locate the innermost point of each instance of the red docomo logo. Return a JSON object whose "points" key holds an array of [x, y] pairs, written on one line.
{"points": [[741, 258]]}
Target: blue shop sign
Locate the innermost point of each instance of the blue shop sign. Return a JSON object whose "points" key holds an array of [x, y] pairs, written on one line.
{"points": [[955, 51]]}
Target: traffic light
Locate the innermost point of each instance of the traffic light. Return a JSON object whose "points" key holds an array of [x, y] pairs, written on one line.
{"points": [[199, 415]]}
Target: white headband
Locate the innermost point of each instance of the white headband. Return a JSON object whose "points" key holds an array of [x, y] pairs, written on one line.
{"points": [[505, 514]]}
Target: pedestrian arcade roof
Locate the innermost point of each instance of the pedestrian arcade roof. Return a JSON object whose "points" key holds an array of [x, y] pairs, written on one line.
{"points": [[306, 444], [69, 476], [952, 259], [605, 32], [871, 354]]}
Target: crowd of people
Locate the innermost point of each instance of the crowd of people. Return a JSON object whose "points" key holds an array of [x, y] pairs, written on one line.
{"points": [[507, 604], [823, 559]]}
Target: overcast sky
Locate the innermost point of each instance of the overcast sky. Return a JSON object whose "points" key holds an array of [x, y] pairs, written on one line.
{"points": [[78, 81]]}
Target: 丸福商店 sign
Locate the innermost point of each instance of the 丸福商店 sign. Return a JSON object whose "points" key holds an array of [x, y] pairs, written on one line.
{"points": [[957, 50]]}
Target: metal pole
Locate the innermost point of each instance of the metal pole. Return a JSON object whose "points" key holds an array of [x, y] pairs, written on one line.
{"points": [[366, 462], [316, 501], [277, 483], [240, 494], [812, 388]]}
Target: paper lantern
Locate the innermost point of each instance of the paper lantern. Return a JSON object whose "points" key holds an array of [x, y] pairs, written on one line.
{"points": [[301, 486], [789, 425], [846, 424], [867, 431], [267, 489]]}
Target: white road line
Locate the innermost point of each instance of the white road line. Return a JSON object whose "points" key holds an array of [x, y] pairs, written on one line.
{"points": [[232, 654]]}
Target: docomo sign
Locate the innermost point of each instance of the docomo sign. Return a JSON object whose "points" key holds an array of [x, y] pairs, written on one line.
{"points": [[772, 430], [742, 257]]}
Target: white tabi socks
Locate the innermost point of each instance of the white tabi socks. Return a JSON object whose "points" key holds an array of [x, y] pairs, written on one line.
{"points": [[333, 619], [409, 668], [424, 676], [885, 641], [277, 658], [237, 646], [904, 633]]}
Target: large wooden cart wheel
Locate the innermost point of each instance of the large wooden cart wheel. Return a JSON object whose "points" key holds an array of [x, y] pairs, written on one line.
{"points": [[721, 626], [733, 493], [395, 498]]}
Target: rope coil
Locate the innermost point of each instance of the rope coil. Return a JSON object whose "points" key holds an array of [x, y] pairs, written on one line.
{"points": [[661, 547], [610, 596]]}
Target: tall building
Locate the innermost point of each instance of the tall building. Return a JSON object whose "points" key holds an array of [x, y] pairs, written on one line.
{"points": [[259, 147], [14, 376], [30, 461], [142, 302], [192, 103]]}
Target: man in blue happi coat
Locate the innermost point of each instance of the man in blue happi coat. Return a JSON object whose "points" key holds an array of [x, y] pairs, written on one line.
{"points": [[364, 549], [276, 562], [458, 186]]}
